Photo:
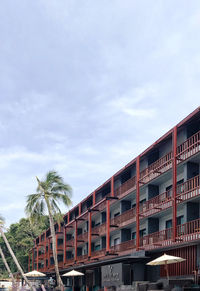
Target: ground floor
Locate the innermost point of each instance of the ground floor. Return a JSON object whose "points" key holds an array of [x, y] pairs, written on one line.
{"points": [[126, 272]]}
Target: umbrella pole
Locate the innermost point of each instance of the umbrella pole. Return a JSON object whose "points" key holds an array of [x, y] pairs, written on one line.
{"points": [[167, 271]]}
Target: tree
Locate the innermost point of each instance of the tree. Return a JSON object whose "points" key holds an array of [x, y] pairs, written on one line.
{"points": [[4, 259], [21, 237], [13, 255], [50, 192]]}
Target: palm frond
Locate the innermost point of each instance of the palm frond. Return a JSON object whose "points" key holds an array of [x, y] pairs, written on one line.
{"points": [[54, 206], [31, 200], [2, 220]]}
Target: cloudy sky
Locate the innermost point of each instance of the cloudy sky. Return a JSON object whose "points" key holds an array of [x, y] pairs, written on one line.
{"points": [[85, 86]]}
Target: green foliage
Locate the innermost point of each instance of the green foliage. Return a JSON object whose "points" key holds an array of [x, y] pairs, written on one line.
{"points": [[21, 237]]}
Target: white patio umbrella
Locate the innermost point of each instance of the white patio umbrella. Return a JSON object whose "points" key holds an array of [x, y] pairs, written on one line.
{"points": [[166, 260], [73, 274], [34, 273]]}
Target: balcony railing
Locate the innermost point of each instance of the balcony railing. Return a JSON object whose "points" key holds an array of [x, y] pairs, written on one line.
{"points": [[98, 253], [189, 231], [157, 239], [124, 218], [128, 186], [100, 229], [127, 245], [157, 203], [82, 257], [189, 147], [189, 189], [157, 168]]}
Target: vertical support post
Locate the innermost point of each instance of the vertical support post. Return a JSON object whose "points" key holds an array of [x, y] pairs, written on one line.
{"points": [[49, 246], [107, 225], [94, 197], [174, 173], [45, 251], [75, 242], [79, 209], [37, 257], [137, 203], [89, 233], [29, 259], [64, 241], [32, 259], [112, 186]]}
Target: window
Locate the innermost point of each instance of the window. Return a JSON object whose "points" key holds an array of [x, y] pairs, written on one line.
{"points": [[142, 232], [169, 191], [133, 235], [116, 241], [168, 223], [116, 214], [180, 220], [133, 205], [97, 247]]}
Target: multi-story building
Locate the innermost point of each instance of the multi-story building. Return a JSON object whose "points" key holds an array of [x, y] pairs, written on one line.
{"points": [[148, 207]]}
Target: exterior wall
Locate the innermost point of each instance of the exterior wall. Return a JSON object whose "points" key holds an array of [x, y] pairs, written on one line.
{"points": [[152, 217]]}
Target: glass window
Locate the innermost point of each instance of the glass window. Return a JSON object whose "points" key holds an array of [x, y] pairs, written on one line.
{"points": [[169, 223]]}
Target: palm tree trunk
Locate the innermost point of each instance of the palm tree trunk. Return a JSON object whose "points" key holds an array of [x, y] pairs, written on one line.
{"points": [[53, 236], [7, 267], [14, 258]]}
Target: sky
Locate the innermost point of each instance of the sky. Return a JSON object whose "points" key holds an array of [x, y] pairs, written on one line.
{"points": [[85, 86]]}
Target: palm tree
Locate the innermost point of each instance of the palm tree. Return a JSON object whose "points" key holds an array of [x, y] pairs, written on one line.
{"points": [[50, 192], [4, 259], [12, 255]]}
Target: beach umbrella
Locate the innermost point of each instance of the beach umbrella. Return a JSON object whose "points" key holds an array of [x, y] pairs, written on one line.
{"points": [[166, 260], [34, 273], [73, 274]]}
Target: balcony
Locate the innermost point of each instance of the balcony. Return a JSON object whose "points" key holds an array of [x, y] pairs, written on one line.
{"points": [[157, 168], [187, 232], [126, 188], [125, 218], [188, 189], [127, 245], [99, 230], [156, 204], [98, 254], [189, 148]]}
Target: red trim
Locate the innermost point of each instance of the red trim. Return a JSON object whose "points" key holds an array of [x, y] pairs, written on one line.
{"points": [[32, 259], [174, 186], [64, 242], [75, 241], [137, 203], [112, 186], [108, 225], [89, 233], [94, 198]]}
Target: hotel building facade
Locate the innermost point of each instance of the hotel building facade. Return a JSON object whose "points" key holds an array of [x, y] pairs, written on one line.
{"points": [[150, 206]]}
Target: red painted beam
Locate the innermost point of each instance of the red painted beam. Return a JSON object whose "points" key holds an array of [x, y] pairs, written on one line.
{"points": [[112, 186], [94, 198], [137, 203], [174, 185], [64, 242], [32, 259], [89, 233], [37, 257], [29, 259], [79, 209], [75, 241], [108, 225]]}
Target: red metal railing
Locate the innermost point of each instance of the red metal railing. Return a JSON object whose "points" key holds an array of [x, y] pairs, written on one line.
{"points": [[157, 239], [157, 203], [98, 253], [189, 147], [189, 189], [157, 168], [82, 257], [130, 244], [83, 236], [189, 231], [127, 186], [127, 216], [100, 229]]}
